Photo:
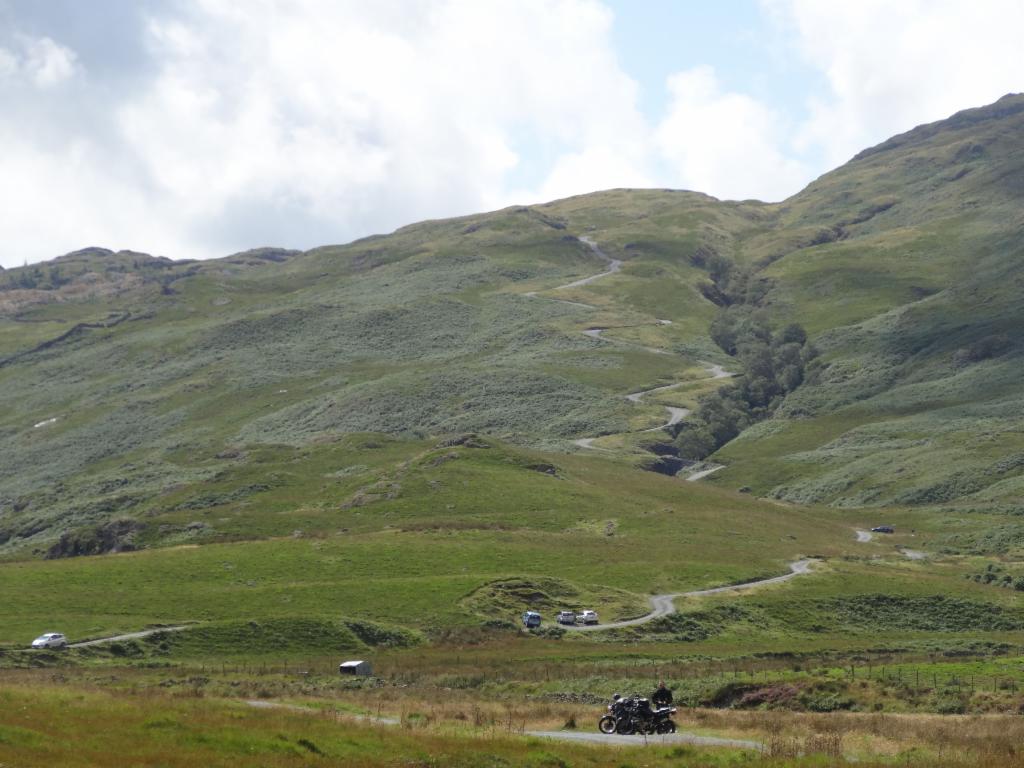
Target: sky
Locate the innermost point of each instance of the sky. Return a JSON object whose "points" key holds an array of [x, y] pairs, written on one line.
{"points": [[199, 128]]}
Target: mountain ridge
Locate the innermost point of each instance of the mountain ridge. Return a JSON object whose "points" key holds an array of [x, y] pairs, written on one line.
{"points": [[900, 265]]}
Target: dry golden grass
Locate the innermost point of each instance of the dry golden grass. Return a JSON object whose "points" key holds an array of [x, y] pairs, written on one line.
{"points": [[79, 717]]}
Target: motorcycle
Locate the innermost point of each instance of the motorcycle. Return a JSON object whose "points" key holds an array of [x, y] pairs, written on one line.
{"points": [[634, 715]]}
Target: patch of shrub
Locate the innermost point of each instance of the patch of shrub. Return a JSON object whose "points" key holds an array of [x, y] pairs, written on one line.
{"points": [[984, 348], [937, 613], [378, 635], [550, 633]]}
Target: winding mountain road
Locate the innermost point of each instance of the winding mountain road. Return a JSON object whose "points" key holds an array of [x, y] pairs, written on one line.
{"points": [[128, 636], [675, 413], [664, 605], [614, 265]]}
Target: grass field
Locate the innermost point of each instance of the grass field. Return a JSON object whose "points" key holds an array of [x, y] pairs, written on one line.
{"points": [[71, 723], [490, 513]]}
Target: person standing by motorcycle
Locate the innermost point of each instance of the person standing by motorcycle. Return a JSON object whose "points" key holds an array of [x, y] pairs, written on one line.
{"points": [[662, 697]]}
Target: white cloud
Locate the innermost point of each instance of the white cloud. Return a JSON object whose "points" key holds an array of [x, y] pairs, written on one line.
{"points": [[48, 63], [317, 121], [302, 122], [890, 66], [8, 64], [40, 61], [725, 144]]}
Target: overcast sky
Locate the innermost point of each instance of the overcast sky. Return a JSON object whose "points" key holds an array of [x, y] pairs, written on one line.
{"points": [[196, 128]]}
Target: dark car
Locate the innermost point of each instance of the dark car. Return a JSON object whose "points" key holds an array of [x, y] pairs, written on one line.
{"points": [[883, 529], [531, 619]]}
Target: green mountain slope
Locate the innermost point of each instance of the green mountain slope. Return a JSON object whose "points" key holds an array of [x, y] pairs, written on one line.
{"points": [[137, 377], [210, 401], [917, 312]]}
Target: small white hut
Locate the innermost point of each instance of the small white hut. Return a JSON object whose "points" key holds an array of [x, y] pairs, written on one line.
{"points": [[363, 668]]}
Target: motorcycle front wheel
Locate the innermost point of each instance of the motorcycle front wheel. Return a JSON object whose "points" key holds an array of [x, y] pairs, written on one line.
{"points": [[606, 724]]}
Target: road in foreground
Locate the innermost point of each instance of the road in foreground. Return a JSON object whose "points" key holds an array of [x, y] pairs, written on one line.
{"points": [[640, 741]]}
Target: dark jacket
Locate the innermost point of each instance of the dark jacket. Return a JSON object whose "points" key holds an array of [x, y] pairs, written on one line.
{"points": [[662, 697]]}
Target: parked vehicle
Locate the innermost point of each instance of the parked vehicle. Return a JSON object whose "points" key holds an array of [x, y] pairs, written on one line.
{"points": [[566, 617], [587, 617], [531, 619], [883, 529], [50, 640], [635, 715]]}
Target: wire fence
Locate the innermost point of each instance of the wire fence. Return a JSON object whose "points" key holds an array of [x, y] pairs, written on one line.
{"points": [[919, 677]]}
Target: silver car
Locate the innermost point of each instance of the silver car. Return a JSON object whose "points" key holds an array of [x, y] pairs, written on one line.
{"points": [[50, 640]]}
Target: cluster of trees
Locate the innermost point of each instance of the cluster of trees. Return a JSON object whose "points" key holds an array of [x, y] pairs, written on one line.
{"points": [[774, 362], [774, 365], [730, 285]]}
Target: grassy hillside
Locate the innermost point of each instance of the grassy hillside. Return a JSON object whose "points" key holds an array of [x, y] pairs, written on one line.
{"points": [[131, 382], [916, 311], [140, 391]]}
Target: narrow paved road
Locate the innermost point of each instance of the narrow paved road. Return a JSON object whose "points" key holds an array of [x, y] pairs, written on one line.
{"points": [[614, 265], [640, 741], [129, 636], [595, 333], [675, 414], [664, 605], [701, 474], [589, 738], [636, 397]]}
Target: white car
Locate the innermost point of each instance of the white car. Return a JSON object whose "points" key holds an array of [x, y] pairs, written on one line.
{"points": [[566, 617], [587, 617], [50, 640]]}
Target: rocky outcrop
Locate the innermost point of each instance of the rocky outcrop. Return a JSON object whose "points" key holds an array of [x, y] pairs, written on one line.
{"points": [[115, 536]]}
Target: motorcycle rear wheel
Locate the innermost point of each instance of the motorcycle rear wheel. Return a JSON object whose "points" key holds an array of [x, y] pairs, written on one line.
{"points": [[606, 724], [666, 726]]}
